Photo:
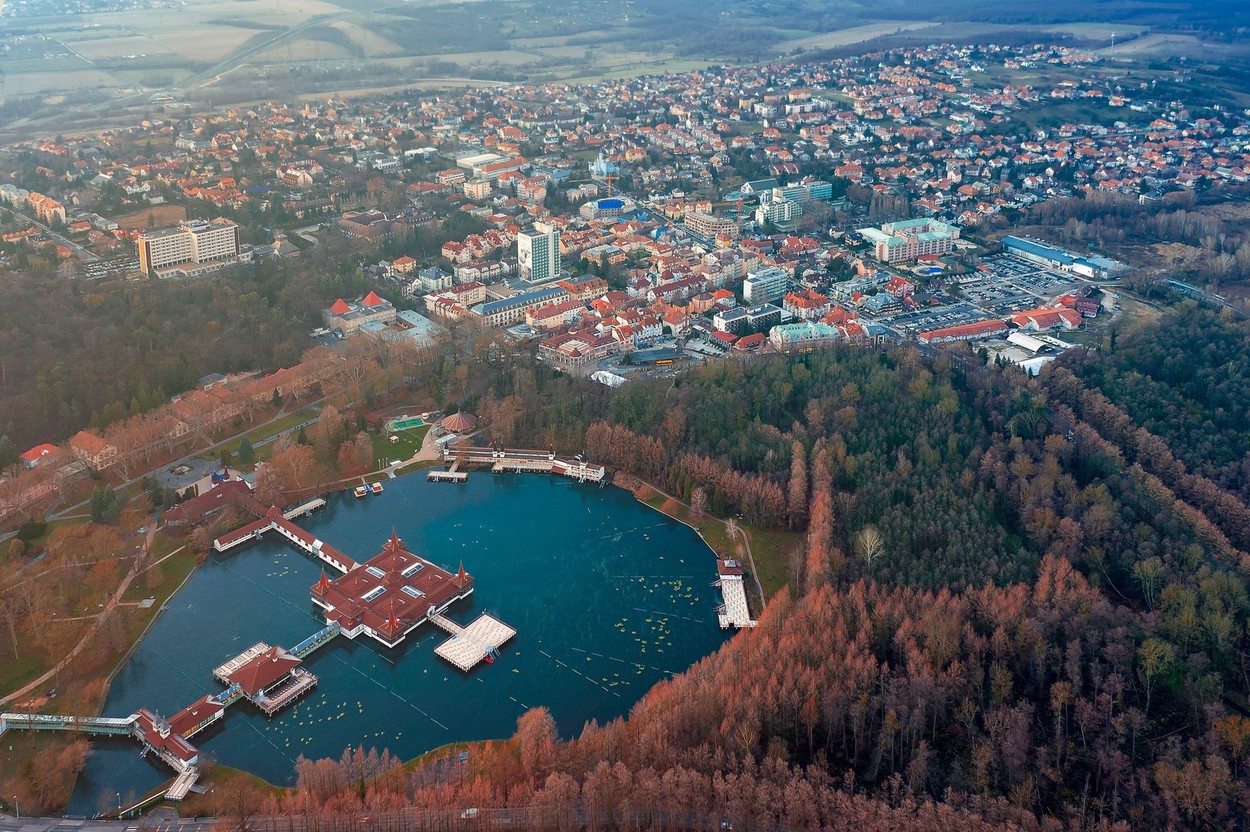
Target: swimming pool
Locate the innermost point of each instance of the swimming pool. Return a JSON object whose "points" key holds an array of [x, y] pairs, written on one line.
{"points": [[406, 422]]}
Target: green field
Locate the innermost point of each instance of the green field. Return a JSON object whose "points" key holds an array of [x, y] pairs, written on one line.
{"points": [[409, 442]]}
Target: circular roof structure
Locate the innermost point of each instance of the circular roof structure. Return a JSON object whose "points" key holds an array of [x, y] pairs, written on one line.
{"points": [[459, 422]]}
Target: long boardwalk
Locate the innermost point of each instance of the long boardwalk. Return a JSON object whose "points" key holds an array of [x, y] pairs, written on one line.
{"points": [[100, 725], [514, 459], [275, 521]]}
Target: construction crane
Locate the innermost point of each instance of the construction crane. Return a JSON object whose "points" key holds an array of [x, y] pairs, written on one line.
{"points": [[610, 178]]}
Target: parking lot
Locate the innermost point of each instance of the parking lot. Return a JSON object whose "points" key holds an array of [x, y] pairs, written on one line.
{"points": [[1004, 286], [1010, 284], [934, 317]]}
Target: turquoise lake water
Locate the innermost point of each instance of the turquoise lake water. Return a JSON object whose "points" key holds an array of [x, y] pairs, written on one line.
{"points": [[607, 597]]}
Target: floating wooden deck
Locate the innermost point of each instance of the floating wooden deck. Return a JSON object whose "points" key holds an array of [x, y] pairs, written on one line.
{"points": [[469, 646], [222, 672], [734, 612]]}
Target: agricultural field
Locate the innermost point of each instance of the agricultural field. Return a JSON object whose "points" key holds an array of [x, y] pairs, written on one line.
{"points": [[108, 64]]}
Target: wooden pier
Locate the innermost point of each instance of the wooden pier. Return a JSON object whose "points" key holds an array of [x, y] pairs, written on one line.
{"points": [[454, 474], [304, 508], [471, 645], [525, 461]]}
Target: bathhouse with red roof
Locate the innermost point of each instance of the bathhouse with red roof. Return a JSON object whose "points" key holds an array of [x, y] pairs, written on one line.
{"points": [[390, 595], [348, 316]]}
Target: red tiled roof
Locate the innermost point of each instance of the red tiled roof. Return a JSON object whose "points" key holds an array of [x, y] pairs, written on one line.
{"points": [[372, 299], [340, 307], [262, 671], [88, 442], [965, 330], [38, 452], [193, 716]]}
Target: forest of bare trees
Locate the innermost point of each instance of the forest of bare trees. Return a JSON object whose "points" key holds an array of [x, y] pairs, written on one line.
{"points": [[1012, 608]]}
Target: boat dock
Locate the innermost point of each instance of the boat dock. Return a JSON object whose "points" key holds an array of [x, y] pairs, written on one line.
{"points": [[469, 646], [454, 474]]}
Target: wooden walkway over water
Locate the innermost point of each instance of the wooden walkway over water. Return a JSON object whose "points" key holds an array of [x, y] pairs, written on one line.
{"points": [[454, 474], [525, 461]]}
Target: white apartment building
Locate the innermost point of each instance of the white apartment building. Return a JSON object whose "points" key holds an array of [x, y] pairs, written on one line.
{"points": [[191, 248]]}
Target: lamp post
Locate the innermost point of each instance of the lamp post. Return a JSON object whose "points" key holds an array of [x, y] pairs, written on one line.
{"points": [[119, 805]]}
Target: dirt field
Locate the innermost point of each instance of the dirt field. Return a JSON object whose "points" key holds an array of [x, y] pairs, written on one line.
{"points": [[302, 50], [856, 34], [94, 50], [372, 43], [162, 217]]}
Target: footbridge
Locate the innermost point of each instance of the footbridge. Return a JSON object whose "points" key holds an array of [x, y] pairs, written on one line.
{"points": [[97, 725]]}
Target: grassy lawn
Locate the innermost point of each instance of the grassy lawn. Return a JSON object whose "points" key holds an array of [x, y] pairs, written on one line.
{"points": [[265, 431], [38, 543], [221, 782], [384, 451], [418, 466], [14, 674], [769, 548]]}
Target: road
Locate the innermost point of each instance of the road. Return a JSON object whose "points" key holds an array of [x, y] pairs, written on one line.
{"points": [[411, 819], [83, 254]]}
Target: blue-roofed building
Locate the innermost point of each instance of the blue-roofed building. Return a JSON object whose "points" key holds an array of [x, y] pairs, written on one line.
{"points": [[1053, 257], [509, 311], [407, 327]]}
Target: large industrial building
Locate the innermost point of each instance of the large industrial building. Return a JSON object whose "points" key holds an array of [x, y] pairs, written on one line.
{"points": [[897, 242], [1044, 254], [190, 249], [538, 254]]}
